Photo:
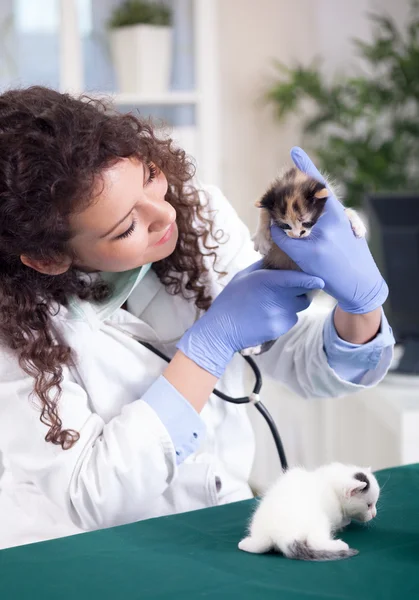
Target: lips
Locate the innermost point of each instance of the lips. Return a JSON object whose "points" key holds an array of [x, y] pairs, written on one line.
{"points": [[166, 237]]}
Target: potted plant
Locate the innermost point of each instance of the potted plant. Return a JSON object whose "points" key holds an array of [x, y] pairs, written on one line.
{"points": [[140, 38], [364, 130]]}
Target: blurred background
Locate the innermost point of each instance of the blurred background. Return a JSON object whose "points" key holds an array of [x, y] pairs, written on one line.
{"points": [[239, 83]]}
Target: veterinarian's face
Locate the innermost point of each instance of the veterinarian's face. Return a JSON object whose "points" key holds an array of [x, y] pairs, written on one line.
{"points": [[128, 223]]}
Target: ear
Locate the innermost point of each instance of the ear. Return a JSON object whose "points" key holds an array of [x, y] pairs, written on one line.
{"points": [[47, 267], [322, 194], [258, 203], [268, 199], [355, 487]]}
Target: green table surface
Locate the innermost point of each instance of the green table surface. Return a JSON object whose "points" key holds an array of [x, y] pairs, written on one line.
{"points": [[195, 555]]}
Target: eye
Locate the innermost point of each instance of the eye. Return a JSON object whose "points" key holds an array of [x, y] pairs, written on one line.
{"points": [[152, 172], [308, 224], [128, 232], [284, 226], [369, 505]]}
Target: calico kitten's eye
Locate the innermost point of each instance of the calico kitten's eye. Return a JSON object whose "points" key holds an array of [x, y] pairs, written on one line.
{"points": [[284, 226], [308, 224]]}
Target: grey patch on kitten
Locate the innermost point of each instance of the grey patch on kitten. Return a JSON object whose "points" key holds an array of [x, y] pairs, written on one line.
{"points": [[302, 551], [364, 478]]}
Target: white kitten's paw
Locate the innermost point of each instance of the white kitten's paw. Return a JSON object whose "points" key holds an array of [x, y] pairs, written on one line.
{"points": [[246, 545], [356, 222], [339, 545], [262, 242], [255, 545], [255, 350]]}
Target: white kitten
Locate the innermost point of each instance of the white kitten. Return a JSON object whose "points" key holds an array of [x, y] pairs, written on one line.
{"points": [[300, 513]]}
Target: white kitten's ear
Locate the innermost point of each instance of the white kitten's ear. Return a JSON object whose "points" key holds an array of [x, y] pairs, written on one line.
{"points": [[355, 487]]}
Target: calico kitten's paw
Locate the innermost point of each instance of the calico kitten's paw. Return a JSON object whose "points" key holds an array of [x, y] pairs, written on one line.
{"points": [[356, 222], [262, 242]]}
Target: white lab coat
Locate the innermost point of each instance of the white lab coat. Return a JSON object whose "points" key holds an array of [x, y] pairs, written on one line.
{"points": [[123, 468]]}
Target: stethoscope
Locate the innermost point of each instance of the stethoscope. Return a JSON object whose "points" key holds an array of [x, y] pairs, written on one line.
{"points": [[253, 398]]}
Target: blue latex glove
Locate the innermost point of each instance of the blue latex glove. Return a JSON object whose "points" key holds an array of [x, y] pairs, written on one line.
{"points": [[257, 306], [333, 253]]}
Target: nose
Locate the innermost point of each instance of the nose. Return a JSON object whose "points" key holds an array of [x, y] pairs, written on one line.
{"points": [[374, 513], [160, 214], [296, 233]]}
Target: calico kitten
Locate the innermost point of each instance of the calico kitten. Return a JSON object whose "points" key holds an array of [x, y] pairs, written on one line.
{"points": [[294, 202], [301, 512]]}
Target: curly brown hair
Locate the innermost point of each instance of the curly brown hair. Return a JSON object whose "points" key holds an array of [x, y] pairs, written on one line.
{"points": [[53, 148]]}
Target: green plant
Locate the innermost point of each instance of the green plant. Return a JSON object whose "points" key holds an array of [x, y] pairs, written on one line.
{"points": [[136, 12], [364, 130]]}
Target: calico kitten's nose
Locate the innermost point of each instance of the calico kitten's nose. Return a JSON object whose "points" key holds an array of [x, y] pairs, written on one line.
{"points": [[302, 232]]}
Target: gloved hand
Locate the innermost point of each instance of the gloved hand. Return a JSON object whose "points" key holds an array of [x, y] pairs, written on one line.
{"points": [[333, 253], [257, 306]]}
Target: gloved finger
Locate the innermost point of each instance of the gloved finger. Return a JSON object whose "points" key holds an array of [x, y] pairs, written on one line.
{"points": [[256, 266], [296, 281], [333, 207], [301, 302], [303, 162], [298, 304]]}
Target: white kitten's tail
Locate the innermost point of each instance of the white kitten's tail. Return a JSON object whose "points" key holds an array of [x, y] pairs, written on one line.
{"points": [[302, 551]]}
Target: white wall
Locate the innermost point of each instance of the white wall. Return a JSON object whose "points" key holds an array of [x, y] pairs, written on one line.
{"points": [[253, 147], [251, 34]]}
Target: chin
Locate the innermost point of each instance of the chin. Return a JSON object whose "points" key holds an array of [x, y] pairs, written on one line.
{"points": [[363, 518]]}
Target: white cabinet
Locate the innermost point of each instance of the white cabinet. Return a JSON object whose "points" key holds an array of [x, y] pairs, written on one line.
{"points": [[199, 139], [64, 44]]}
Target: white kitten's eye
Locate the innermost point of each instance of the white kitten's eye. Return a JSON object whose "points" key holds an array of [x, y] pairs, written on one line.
{"points": [[369, 505]]}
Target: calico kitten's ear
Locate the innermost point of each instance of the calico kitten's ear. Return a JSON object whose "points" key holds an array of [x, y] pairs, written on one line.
{"points": [[267, 200], [258, 203], [320, 191], [323, 193], [314, 192]]}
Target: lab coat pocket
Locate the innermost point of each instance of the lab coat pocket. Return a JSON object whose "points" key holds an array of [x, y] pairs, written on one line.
{"points": [[196, 487]]}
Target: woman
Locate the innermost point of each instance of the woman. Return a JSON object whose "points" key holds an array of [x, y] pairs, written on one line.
{"points": [[96, 213]]}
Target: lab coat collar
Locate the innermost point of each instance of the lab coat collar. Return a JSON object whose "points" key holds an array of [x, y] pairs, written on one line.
{"points": [[97, 312]]}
